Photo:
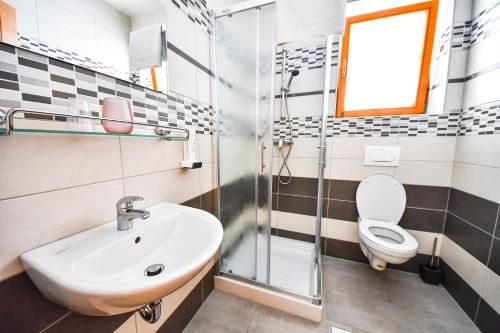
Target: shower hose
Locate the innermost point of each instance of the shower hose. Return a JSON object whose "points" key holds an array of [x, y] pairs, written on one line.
{"points": [[285, 180]]}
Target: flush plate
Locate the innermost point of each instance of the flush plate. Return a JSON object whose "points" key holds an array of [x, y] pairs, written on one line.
{"points": [[382, 155]]}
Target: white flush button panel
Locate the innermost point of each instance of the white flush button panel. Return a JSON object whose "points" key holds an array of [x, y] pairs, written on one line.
{"points": [[382, 155]]}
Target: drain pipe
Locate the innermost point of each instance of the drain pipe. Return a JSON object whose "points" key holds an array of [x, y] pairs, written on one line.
{"points": [[151, 312], [322, 145]]}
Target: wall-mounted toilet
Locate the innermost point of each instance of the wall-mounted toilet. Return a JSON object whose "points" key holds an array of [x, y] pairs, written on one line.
{"points": [[381, 201]]}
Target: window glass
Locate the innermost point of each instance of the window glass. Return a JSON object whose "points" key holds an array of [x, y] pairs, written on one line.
{"points": [[384, 62]]}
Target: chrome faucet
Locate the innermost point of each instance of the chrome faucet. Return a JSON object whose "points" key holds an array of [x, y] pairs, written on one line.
{"points": [[125, 212]]}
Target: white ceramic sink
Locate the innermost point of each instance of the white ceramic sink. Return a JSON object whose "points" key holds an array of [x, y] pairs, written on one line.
{"points": [[101, 271]]}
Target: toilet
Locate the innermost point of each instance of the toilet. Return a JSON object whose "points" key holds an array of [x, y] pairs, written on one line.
{"points": [[381, 200]]}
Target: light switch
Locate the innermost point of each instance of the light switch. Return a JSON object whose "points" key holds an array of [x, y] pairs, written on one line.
{"points": [[382, 155]]}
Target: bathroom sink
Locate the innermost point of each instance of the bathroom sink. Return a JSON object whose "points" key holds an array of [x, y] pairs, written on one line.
{"points": [[103, 271]]}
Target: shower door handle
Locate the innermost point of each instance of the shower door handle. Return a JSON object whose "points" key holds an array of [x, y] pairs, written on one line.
{"points": [[262, 165]]}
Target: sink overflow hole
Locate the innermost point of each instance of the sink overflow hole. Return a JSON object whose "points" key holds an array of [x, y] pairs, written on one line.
{"points": [[154, 270], [137, 240]]}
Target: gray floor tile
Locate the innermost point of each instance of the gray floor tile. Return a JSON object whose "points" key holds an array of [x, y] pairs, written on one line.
{"points": [[370, 314], [355, 296], [200, 325], [227, 310], [352, 278], [445, 324], [435, 300], [267, 320]]}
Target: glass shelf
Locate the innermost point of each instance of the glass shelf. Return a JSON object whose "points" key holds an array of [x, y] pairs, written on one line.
{"points": [[138, 135], [142, 130]]}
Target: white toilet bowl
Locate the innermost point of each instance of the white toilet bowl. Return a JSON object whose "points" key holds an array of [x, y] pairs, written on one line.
{"points": [[381, 200]]}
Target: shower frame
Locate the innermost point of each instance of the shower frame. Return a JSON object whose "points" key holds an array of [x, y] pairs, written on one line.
{"points": [[317, 298]]}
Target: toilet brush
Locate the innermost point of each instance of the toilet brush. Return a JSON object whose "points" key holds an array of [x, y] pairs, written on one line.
{"points": [[431, 273], [433, 264]]}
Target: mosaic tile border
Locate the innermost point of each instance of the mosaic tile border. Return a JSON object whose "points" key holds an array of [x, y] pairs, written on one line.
{"points": [[307, 57], [467, 34], [482, 119], [405, 125], [197, 12], [34, 81]]}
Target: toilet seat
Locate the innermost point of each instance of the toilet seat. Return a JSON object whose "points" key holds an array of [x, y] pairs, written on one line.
{"points": [[387, 237]]}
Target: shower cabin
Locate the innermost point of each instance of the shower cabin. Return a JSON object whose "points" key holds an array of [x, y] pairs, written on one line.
{"points": [[247, 106]]}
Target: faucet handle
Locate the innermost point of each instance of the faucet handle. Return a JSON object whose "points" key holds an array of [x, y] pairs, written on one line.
{"points": [[128, 201]]}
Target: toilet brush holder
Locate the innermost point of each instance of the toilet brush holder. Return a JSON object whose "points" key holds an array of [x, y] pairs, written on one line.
{"points": [[431, 273]]}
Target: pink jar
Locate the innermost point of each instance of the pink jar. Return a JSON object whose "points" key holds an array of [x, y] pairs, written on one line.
{"points": [[117, 108]]}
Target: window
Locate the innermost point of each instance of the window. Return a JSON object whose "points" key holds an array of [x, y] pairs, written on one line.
{"points": [[385, 61]]}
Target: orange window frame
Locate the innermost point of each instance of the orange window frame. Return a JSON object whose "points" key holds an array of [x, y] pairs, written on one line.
{"points": [[419, 107]]}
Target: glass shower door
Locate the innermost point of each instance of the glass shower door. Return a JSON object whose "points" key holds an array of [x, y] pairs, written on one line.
{"points": [[244, 53]]}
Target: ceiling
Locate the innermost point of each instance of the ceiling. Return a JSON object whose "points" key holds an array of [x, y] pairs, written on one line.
{"points": [[136, 7]]}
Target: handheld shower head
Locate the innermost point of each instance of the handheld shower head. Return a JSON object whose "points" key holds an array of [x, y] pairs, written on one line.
{"points": [[294, 73]]}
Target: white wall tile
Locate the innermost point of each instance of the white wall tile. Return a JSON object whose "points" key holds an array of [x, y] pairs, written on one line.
{"points": [[141, 156], [482, 89], [469, 268], [354, 169], [303, 166], [32, 163], [181, 76], [342, 230], [302, 147], [204, 145], [180, 29], [425, 173], [479, 149], [491, 289], [354, 147], [35, 220], [203, 87], [206, 174], [202, 47], [431, 148], [426, 241], [478, 180], [297, 222], [174, 186]]}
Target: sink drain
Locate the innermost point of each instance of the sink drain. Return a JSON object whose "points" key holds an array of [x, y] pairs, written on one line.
{"points": [[154, 270]]}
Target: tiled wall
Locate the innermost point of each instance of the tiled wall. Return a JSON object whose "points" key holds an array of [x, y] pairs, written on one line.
{"points": [[80, 30], [54, 186], [449, 159], [34, 313], [470, 249], [37, 82]]}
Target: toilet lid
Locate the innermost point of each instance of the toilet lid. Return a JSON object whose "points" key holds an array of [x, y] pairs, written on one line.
{"points": [[381, 197]]}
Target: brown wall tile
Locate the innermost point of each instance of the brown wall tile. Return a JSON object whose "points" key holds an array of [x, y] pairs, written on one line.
{"points": [[296, 204], [301, 186], [78, 323], [343, 189], [421, 196], [342, 210], [476, 210], [423, 219], [23, 308], [296, 235], [184, 312]]}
